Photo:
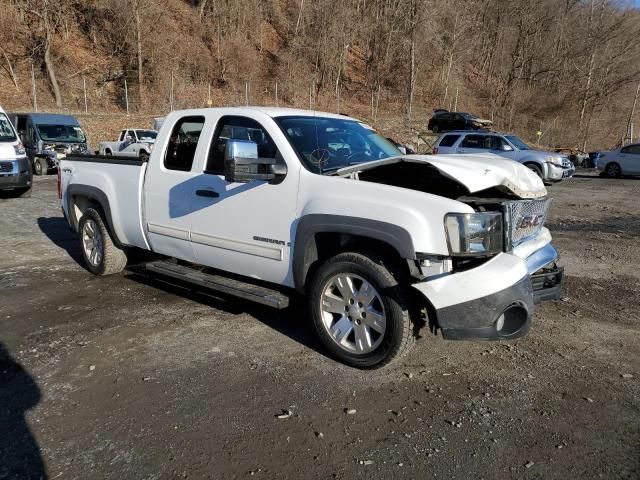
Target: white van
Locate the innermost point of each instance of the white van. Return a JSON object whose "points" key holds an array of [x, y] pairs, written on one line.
{"points": [[16, 175]]}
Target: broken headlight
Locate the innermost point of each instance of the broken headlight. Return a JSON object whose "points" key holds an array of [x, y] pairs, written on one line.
{"points": [[471, 234]]}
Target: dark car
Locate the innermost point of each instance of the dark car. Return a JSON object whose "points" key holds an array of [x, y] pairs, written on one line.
{"points": [[48, 137], [446, 121]]}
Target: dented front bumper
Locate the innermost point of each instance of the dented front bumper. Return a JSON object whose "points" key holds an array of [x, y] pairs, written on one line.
{"points": [[495, 300]]}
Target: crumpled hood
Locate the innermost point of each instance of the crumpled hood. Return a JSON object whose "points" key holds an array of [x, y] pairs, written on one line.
{"points": [[483, 121], [475, 172], [483, 171]]}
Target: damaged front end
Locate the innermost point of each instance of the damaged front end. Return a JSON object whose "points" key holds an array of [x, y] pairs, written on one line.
{"points": [[501, 261]]}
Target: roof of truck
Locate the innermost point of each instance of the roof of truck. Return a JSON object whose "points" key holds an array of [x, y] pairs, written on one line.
{"points": [[51, 118], [273, 112]]}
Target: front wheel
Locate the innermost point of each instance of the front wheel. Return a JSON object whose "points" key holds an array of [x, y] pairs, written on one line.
{"points": [[435, 129], [359, 310], [40, 166], [101, 255], [613, 170], [144, 157], [535, 169]]}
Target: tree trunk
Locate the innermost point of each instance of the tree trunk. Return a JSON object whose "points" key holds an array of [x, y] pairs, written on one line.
{"points": [[203, 5], [48, 62], [139, 44], [10, 69], [631, 114]]}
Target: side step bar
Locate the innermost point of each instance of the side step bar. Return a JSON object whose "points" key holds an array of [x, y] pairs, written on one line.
{"points": [[219, 283]]}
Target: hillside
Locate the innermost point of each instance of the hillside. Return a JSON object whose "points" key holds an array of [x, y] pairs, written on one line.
{"points": [[568, 69]]}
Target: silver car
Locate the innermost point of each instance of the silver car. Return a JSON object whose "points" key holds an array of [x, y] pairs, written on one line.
{"points": [[550, 167]]}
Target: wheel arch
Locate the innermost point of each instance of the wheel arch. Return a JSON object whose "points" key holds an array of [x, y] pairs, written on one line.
{"points": [[320, 236], [81, 197]]}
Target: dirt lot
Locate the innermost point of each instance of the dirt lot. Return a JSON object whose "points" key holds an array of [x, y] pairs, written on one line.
{"points": [[122, 377]]}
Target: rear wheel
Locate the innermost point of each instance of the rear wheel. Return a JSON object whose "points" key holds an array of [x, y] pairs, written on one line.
{"points": [[435, 129], [613, 170], [359, 310], [107, 152], [101, 255], [144, 156]]}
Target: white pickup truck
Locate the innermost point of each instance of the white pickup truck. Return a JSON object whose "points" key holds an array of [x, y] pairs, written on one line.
{"points": [[262, 203], [132, 142]]}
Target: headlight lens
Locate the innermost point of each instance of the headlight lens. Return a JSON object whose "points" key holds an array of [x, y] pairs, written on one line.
{"points": [[19, 149], [555, 160], [474, 233]]}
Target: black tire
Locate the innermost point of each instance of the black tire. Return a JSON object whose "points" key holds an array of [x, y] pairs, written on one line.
{"points": [[40, 166], [535, 168], [107, 152], [435, 129], [112, 259], [144, 156], [22, 192], [398, 337], [613, 170]]}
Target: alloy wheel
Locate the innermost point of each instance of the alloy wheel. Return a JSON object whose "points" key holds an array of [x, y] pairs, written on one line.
{"points": [[353, 313], [92, 243]]}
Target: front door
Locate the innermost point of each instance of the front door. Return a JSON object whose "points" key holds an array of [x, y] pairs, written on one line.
{"points": [[169, 187], [244, 228]]}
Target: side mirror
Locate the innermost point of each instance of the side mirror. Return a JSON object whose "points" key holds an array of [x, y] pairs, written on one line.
{"points": [[507, 148], [241, 163]]}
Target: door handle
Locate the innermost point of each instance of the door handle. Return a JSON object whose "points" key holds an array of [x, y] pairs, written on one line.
{"points": [[207, 193]]}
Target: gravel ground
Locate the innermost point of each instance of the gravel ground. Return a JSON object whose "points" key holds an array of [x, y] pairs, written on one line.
{"points": [[124, 377]]}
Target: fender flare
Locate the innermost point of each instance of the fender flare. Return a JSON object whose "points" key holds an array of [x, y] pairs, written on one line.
{"points": [[98, 196], [305, 251]]}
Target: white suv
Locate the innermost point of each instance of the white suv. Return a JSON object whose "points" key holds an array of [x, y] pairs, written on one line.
{"points": [[550, 167]]}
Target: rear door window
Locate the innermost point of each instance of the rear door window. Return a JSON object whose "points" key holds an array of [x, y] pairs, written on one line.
{"points": [[473, 141], [183, 143], [449, 140]]}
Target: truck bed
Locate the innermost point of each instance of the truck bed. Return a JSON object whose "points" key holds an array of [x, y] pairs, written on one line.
{"points": [[116, 182]]}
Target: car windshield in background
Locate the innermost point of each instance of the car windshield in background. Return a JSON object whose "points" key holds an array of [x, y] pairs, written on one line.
{"points": [[6, 131], [520, 145], [328, 144], [147, 134], [468, 116], [61, 133]]}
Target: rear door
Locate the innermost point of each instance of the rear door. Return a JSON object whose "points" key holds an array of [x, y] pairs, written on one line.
{"points": [[630, 159], [169, 187], [446, 143]]}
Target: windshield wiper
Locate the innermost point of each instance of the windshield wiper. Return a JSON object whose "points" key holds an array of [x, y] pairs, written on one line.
{"points": [[333, 170]]}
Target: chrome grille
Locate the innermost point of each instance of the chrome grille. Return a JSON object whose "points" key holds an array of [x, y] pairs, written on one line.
{"points": [[6, 167], [524, 219]]}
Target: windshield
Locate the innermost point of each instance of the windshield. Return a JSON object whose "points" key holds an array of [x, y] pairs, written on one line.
{"points": [[328, 144], [468, 116], [146, 134], [61, 133], [6, 129], [519, 144]]}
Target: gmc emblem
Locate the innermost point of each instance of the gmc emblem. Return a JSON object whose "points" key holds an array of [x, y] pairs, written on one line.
{"points": [[530, 221]]}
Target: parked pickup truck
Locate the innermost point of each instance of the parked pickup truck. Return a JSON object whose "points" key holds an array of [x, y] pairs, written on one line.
{"points": [[133, 142], [262, 203]]}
